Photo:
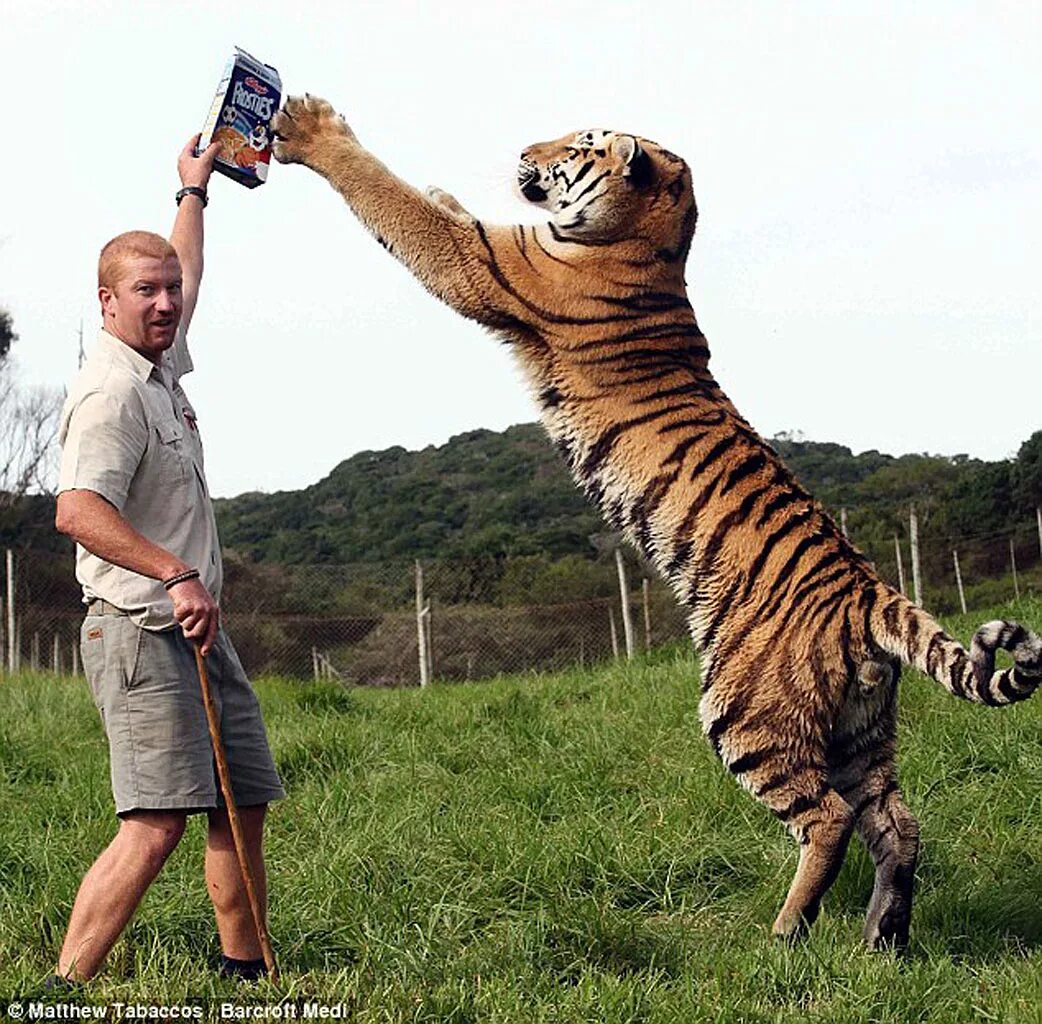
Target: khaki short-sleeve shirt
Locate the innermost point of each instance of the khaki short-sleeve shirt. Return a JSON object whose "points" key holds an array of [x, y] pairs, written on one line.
{"points": [[129, 433]]}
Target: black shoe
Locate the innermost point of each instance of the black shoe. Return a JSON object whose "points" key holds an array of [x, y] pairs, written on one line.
{"points": [[245, 970], [59, 985]]}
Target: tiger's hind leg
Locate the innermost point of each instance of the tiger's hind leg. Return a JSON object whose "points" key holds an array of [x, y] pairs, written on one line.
{"points": [[864, 773], [822, 822], [817, 816]]}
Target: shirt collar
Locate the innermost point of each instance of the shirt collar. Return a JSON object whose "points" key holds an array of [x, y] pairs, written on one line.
{"points": [[120, 352]]}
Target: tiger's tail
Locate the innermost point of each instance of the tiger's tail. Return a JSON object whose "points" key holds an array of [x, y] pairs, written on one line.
{"points": [[904, 630]]}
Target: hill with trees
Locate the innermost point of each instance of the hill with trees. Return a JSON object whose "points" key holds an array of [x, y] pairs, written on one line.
{"points": [[509, 494]]}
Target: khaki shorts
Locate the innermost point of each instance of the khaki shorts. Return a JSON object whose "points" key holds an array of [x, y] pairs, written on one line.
{"points": [[146, 687]]}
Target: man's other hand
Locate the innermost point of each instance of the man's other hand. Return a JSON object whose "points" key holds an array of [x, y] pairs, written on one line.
{"points": [[196, 170], [197, 612]]}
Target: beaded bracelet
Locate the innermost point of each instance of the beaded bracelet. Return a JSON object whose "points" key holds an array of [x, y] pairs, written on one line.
{"points": [[181, 577]]}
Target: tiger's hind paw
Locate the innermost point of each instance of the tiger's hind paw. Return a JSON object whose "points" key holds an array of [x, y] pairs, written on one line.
{"points": [[304, 127]]}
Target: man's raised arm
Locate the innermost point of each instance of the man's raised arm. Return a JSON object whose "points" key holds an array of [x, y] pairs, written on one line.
{"points": [[187, 234]]}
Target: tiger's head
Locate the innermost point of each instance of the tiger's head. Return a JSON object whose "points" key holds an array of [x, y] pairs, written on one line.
{"points": [[603, 186]]}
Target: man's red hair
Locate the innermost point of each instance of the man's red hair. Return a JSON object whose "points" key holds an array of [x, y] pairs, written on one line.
{"points": [[128, 246]]}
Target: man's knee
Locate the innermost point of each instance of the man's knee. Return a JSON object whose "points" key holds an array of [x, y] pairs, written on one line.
{"points": [[152, 835], [219, 832]]}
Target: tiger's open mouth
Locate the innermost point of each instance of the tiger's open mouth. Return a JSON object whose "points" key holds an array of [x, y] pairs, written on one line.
{"points": [[528, 182]]}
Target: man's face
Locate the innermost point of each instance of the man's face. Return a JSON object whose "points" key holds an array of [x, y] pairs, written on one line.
{"points": [[144, 308]]}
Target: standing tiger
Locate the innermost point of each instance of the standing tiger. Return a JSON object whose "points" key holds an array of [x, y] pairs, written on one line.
{"points": [[801, 642]]}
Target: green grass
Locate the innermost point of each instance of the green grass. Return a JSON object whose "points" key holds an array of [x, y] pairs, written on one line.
{"points": [[557, 848]]}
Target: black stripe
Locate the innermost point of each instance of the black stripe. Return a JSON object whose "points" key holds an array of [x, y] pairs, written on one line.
{"points": [[711, 548], [890, 615], [679, 356], [647, 301], [734, 711], [650, 331], [751, 761], [792, 523], [752, 464], [712, 455], [544, 314], [801, 805], [583, 171], [956, 672], [1007, 689], [547, 254], [681, 448], [783, 500], [809, 584], [781, 578], [723, 611], [593, 184], [602, 447], [714, 419], [933, 651]]}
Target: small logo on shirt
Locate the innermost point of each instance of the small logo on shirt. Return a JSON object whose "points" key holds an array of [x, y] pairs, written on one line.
{"points": [[94, 634]]}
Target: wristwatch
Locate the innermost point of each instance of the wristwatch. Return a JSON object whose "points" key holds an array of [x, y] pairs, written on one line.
{"points": [[191, 190]]}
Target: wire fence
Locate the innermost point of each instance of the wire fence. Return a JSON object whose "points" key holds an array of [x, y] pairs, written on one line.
{"points": [[388, 624]]}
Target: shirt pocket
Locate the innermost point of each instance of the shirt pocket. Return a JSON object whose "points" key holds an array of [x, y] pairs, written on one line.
{"points": [[171, 451]]}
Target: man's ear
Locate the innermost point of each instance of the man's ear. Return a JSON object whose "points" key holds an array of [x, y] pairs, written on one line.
{"points": [[107, 298], [637, 164]]}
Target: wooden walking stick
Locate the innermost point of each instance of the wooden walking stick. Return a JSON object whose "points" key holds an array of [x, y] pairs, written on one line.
{"points": [[233, 817]]}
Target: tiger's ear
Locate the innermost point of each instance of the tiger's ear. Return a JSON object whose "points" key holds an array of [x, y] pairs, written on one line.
{"points": [[637, 164]]}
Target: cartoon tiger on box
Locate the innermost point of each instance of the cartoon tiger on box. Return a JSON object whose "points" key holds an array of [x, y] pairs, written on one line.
{"points": [[801, 642]]}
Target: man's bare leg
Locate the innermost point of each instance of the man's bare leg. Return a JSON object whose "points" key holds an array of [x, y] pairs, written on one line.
{"points": [[112, 889], [235, 924]]}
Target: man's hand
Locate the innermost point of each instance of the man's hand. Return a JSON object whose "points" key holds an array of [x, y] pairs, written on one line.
{"points": [[197, 612], [196, 170]]}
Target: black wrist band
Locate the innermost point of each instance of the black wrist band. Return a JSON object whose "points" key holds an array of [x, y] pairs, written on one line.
{"points": [[191, 190], [181, 577]]}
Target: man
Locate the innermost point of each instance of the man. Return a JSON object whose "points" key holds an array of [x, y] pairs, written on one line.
{"points": [[133, 495]]}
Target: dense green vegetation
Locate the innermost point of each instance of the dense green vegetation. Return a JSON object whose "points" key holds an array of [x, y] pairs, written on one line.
{"points": [[559, 849], [496, 494]]}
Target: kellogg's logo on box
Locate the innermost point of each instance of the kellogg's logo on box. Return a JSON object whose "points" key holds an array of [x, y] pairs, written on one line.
{"points": [[240, 119]]}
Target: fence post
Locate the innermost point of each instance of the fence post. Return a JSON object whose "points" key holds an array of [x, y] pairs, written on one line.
{"points": [[624, 600], [34, 652], [56, 657], [900, 565], [1013, 562], [958, 580], [843, 520], [614, 633], [645, 586], [1038, 516], [11, 637], [917, 580], [75, 658], [421, 638]]}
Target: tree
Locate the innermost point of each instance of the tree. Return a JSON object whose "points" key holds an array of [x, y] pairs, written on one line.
{"points": [[28, 425]]}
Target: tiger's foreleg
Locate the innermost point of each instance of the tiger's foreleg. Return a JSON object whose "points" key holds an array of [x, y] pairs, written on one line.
{"points": [[434, 237]]}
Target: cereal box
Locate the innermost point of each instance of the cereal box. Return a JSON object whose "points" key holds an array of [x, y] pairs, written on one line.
{"points": [[240, 119]]}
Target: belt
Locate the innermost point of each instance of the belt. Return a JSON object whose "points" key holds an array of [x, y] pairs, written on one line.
{"points": [[99, 607]]}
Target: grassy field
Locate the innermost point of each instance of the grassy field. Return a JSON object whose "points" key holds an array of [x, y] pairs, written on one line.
{"points": [[560, 848]]}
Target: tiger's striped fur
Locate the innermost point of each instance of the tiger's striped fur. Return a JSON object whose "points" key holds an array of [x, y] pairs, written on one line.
{"points": [[801, 641]]}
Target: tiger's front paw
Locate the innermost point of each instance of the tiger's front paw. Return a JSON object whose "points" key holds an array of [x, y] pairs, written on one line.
{"points": [[304, 127]]}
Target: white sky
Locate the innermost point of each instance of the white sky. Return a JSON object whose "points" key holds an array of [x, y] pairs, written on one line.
{"points": [[868, 176]]}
